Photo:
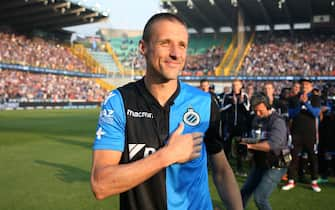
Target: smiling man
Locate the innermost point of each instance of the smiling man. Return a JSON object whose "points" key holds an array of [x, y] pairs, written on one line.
{"points": [[153, 149]]}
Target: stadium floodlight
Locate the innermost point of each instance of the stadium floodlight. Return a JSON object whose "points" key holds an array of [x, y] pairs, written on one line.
{"points": [[332, 3], [45, 2], [212, 2], [189, 4]]}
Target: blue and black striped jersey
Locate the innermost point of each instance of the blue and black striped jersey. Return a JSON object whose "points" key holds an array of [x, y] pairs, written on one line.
{"points": [[133, 122]]}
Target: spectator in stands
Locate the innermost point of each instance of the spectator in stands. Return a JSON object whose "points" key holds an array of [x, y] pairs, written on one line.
{"points": [[24, 86], [18, 49], [304, 53]]}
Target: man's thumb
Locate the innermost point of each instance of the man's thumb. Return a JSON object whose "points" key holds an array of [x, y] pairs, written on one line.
{"points": [[180, 129]]}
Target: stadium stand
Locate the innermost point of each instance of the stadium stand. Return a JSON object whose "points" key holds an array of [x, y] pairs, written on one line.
{"points": [[126, 49], [31, 87], [18, 49], [104, 59], [245, 18], [37, 64], [300, 53]]}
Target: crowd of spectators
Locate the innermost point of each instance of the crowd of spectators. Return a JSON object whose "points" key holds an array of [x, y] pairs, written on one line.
{"points": [[297, 53], [203, 64], [19, 49], [25, 86]]}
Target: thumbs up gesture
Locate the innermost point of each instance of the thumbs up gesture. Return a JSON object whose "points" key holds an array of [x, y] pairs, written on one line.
{"points": [[183, 148]]}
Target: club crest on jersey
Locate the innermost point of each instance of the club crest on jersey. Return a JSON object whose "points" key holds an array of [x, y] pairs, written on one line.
{"points": [[191, 117]]}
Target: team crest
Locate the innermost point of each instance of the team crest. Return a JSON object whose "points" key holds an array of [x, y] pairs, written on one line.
{"points": [[191, 117]]}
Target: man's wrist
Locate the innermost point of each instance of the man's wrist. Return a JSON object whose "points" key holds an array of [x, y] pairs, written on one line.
{"points": [[165, 158]]}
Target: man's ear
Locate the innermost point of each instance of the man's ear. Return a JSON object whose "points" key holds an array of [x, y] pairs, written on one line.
{"points": [[142, 46]]}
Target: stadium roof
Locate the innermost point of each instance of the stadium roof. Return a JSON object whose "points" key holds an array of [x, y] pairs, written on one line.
{"points": [[23, 15], [200, 14]]}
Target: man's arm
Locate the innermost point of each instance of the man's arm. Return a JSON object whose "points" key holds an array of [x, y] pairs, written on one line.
{"points": [[223, 175], [225, 181], [108, 177], [263, 146]]}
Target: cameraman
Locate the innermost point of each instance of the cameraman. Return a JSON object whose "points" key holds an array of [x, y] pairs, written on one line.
{"points": [[269, 139]]}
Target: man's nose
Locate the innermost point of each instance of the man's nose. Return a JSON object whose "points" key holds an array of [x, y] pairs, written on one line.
{"points": [[175, 51]]}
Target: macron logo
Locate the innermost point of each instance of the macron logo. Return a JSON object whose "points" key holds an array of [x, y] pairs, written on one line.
{"points": [[139, 114]]}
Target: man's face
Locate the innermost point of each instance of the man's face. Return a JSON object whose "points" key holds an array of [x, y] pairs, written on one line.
{"points": [[250, 90], [269, 90], [204, 86], [237, 86], [165, 52], [296, 88], [306, 86], [261, 111]]}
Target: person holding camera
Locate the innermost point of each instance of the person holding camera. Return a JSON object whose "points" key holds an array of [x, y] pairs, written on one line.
{"points": [[268, 144]]}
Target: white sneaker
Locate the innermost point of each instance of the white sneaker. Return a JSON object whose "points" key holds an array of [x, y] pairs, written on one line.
{"points": [[290, 185], [315, 186]]}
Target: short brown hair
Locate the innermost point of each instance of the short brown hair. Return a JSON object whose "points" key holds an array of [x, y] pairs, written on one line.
{"points": [[157, 17]]}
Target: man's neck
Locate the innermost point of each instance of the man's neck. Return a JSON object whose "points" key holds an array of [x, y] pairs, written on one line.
{"points": [[161, 91], [271, 99]]}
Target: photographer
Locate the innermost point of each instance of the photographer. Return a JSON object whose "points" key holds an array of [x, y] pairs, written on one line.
{"points": [[269, 140]]}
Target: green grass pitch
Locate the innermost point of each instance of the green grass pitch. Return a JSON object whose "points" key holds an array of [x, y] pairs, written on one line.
{"points": [[45, 160]]}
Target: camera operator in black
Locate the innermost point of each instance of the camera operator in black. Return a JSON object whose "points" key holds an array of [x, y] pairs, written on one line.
{"points": [[268, 141], [304, 110]]}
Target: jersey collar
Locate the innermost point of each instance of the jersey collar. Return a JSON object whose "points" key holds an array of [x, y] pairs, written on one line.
{"points": [[151, 99]]}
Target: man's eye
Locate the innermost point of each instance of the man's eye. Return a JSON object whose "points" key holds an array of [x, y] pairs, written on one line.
{"points": [[164, 44]]}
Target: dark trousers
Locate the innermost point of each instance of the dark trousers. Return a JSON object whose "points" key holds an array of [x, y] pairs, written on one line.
{"points": [[308, 144]]}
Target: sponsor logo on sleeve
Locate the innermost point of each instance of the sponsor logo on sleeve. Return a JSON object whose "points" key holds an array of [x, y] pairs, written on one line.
{"points": [[106, 115], [100, 133]]}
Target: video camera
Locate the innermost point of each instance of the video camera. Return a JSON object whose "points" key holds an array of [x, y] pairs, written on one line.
{"points": [[240, 149]]}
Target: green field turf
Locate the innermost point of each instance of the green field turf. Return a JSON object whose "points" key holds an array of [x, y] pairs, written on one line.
{"points": [[45, 158]]}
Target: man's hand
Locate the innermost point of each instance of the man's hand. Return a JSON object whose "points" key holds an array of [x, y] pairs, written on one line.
{"points": [[183, 148], [304, 98]]}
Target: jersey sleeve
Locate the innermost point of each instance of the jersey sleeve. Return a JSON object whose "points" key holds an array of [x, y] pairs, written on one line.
{"points": [[212, 135], [110, 131]]}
